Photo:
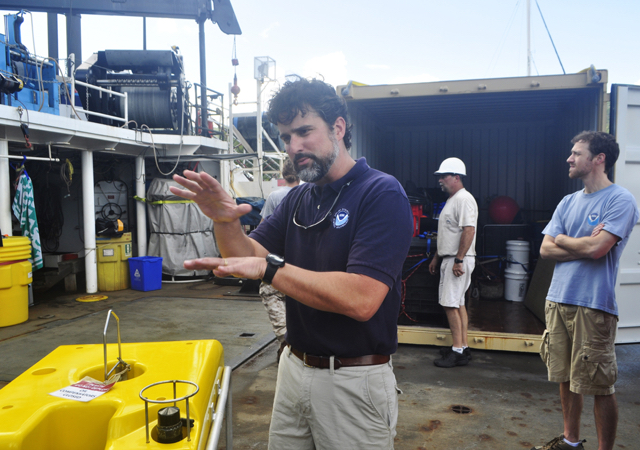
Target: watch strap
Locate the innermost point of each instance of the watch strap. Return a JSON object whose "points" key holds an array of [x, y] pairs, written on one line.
{"points": [[458, 261], [269, 273]]}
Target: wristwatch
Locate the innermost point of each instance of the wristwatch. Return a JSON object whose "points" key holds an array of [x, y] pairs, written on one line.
{"points": [[274, 262], [458, 261]]}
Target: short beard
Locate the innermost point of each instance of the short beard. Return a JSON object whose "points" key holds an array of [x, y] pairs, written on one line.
{"points": [[319, 166], [578, 174]]}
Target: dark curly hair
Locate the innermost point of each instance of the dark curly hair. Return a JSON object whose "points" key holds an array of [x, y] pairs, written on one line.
{"points": [[300, 96], [600, 142]]}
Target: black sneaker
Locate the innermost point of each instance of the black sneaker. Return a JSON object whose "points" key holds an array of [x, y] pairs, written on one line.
{"points": [[466, 352], [559, 444], [452, 359]]}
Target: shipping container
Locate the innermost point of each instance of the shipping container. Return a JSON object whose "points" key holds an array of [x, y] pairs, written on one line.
{"points": [[514, 136]]}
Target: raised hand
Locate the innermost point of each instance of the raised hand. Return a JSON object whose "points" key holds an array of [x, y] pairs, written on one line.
{"points": [[213, 201]]}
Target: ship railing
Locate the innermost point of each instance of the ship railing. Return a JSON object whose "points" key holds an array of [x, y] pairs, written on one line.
{"points": [[110, 92], [214, 108]]}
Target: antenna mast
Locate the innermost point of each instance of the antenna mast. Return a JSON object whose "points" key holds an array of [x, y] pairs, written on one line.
{"points": [[528, 38]]}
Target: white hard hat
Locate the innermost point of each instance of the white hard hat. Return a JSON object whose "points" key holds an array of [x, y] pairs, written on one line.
{"points": [[452, 165]]}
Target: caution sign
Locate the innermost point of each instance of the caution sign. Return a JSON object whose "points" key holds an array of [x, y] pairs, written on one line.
{"points": [[84, 390]]}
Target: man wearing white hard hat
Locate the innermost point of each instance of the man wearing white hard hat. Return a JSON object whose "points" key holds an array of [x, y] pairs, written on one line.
{"points": [[456, 255]]}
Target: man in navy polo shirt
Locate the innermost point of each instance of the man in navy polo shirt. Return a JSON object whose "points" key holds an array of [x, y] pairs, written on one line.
{"points": [[335, 247]]}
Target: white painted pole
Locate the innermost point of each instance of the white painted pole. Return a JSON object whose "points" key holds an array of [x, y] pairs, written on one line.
{"points": [[5, 191], [141, 210], [259, 132], [89, 221]]}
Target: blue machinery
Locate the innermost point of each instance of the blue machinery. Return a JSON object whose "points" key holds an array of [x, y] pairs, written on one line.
{"points": [[24, 80], [153, 80]]}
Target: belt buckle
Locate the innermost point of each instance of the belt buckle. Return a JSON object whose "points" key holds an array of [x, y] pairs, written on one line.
{"points": [[304, 360]]}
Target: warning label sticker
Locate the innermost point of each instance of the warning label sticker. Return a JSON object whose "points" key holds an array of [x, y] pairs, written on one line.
{"points": [[83, 391]]}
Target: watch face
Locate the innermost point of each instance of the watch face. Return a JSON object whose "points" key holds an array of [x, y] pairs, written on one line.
{"points": [[276, 260]]}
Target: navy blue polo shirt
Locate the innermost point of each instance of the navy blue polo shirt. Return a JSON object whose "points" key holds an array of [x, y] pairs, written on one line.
{"points": [[368, 232]]}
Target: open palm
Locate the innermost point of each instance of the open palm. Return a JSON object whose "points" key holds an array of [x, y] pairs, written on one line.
{"points": [[211, 198]]}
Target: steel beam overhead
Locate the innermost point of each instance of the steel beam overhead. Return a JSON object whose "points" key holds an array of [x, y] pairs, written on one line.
{"points": [[219, 11]]}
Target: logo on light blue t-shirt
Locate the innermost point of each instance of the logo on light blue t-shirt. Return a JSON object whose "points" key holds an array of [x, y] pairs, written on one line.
{"points": [[593, 219], [341, 218]]}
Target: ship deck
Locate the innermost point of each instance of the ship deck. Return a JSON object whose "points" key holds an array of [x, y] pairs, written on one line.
{"points": [[509, 401]]}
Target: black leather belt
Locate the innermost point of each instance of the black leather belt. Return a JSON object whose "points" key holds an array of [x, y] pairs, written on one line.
{"points": [[322, 362]]}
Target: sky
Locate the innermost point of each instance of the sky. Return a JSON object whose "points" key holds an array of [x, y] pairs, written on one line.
{"points": [[381, 42]]}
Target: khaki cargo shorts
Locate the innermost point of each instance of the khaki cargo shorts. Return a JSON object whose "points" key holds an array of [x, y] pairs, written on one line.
{"points": [[578, 346]]}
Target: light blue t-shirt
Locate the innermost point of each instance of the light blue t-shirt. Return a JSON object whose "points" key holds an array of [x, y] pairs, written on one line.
{"points": [[589, 282], [273, 201]]}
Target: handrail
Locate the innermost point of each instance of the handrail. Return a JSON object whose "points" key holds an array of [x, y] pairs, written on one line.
{"points": [[220, 94], [32, 158], [110, 92], [98, 88], [222, 408], [198, 105]]}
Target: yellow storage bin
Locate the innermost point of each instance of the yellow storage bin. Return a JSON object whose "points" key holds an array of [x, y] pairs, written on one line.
{"points": [[15, 277], [113, 269]]}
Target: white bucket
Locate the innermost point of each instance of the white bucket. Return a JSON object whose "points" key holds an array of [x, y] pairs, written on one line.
{"points": [[518, 252], [515, 285]]}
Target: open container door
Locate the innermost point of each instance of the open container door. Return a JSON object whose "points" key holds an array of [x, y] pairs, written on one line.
{"points": [[625, 126], [514, 135]]}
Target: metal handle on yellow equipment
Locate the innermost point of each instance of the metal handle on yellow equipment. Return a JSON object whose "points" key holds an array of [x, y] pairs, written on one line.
{"points": [[222, 408], [104, 340], [173, 400]]}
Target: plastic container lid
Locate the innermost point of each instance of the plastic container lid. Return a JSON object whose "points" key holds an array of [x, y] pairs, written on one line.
{"points": [[15, 248]]}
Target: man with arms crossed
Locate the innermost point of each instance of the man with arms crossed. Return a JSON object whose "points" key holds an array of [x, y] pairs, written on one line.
{"points": [[586, 236], [335, 246], [457, 249]]}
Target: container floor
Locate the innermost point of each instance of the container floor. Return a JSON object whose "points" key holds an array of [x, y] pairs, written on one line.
{"points": [[500, 316], [503, 316]]}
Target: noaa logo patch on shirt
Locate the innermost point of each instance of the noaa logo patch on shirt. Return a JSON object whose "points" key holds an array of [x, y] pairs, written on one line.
{"points": [[593, 219], [341, 218]]}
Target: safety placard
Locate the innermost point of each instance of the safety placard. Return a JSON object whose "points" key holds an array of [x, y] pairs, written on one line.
{"points": [[84, 390]]}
